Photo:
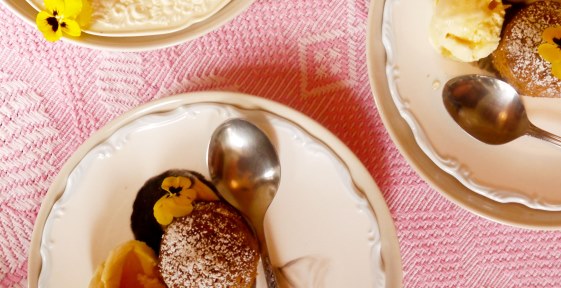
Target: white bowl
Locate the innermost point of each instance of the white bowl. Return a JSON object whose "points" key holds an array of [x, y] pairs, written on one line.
{"points": [[140, 43]]}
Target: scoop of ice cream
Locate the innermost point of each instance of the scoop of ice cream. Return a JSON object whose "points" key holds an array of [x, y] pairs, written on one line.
{"points": [[466, 30], [132, 264]]}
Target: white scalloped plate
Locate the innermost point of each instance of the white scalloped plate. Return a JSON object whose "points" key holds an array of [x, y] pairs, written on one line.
{"points": [[524, 172], [328, 212], [130, 18], [142, 40]]}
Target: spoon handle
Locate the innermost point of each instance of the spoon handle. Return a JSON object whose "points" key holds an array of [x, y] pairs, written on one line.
{"points": [[539, 133], [269, 270]]}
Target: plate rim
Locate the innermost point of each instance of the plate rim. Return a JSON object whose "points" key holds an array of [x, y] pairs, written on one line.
{"points": [[401, 133], [391, 258], [21, 8]]}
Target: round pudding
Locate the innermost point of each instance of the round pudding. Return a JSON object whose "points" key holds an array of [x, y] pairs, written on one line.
{"points": [[211, 247], [517, 59]]}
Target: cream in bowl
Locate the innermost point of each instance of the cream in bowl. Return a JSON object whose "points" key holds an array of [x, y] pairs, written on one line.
{"points": [[125, 18]]}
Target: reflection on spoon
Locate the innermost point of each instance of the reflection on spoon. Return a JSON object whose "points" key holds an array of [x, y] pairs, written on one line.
{"points": [[490, 110]]}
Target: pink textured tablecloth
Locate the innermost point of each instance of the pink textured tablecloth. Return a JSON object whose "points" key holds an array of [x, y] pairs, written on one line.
{"points": [[307, 54]]}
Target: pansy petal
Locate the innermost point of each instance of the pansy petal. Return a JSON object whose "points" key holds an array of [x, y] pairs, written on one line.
{"points": [[164, 218], [190, 194], [85, 16], [178, 209], [551, 32], [42, 21], [52, 36], [55, 5], [72, 8], [71, 27], [183, 182], [181, 201], [57, 35], [549, 52], [161, 212], [176, 182], [556, 70]]}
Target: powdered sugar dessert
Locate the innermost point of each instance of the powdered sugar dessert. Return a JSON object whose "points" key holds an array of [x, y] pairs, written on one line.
{"points": [[144, 224], [145, 17], [519, 41], [517, 58], [202, 241], [211, 247]]}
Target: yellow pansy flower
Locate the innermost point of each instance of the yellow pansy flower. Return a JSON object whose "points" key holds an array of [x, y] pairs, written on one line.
{"points": [[550, 51], [177, 202], [60, 16]]}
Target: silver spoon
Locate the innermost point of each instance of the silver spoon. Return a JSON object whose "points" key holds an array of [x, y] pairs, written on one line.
{"points": [[244, 167], [490, 110]]}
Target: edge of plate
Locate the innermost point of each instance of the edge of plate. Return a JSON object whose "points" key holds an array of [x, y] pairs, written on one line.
{"points": [[139, 43], [390, 253], [512, 214]]}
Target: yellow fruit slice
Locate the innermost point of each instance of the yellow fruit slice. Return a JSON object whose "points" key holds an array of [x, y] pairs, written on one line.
{"points": [[130, 265]]}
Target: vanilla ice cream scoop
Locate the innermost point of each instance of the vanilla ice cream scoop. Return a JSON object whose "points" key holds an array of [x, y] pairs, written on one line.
{"points": [[466, 30]]}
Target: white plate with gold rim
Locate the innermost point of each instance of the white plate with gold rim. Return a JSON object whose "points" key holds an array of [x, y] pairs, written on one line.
{"points": [[515, 183], [328, 212], [131, 39]]}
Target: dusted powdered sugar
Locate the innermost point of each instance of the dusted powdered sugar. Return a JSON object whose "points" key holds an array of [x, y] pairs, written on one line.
{"points": [[517, 57], [212, 247]]}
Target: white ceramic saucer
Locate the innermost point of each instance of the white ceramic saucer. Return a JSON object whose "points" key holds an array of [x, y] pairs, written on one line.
{"points": [[328, 225]]}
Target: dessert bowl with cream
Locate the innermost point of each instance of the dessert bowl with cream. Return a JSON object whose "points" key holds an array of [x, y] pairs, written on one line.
{"points": [[135, 26]]}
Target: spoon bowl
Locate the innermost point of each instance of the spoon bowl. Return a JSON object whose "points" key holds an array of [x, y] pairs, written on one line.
{"points": [[245, 168], [490, 110]]}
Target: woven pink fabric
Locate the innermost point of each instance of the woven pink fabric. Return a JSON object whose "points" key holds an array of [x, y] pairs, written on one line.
{"points": [[307, 54]]}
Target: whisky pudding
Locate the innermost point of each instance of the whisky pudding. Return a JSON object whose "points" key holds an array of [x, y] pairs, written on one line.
{"points": [[517, 59], [210, 247], [200, 240]]}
